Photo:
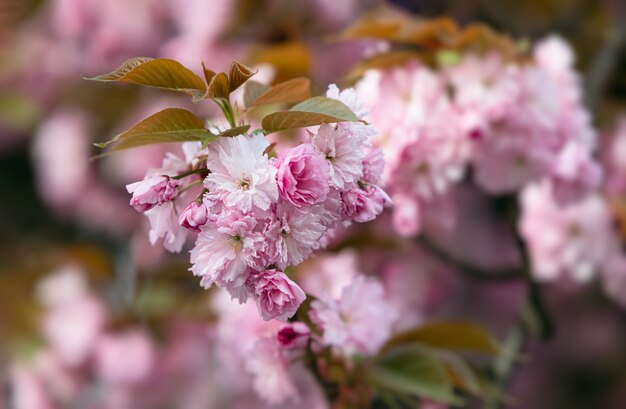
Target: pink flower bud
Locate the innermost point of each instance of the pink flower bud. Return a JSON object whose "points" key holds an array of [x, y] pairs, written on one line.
{"points": [[152, 191], [278, 296], [293, 335], [194, 216]]}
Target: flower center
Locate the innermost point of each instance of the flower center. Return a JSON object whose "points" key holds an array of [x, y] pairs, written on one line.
{"points": [[244, 184], [422, 169], [235, 241]]}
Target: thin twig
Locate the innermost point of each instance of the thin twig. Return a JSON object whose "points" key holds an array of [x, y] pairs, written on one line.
{"points": [[468, 269]]}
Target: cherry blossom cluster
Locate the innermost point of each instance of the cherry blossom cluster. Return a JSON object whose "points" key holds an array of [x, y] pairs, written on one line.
{"points": [[81, 352], [353, 315], [511, 128], [254, 215], [505, 124]]}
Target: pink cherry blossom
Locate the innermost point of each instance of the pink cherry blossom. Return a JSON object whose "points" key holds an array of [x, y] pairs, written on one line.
{"points": [[485, 86], [359, 321], [241, 175], [329, 272], [297, 234], [407, 215], [572, 241], [277, 296], [269, 364], [512, 163], [363, 204], [193, 216], [575, 174], [349, 97], [152, 191], [342, 151], [72, 328], [221, 251], [303, 175], [125, 358], [164, 225]]}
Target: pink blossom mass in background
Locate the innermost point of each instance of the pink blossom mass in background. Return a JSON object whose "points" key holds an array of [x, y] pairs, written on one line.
{"points": [[314, 204]]}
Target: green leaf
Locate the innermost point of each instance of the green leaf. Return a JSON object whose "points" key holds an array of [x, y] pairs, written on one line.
{"points": [[160, 73], [455, 335], [294, 90], [413, 370], [314, 111], [238, 74], [252, 90], [461, 373], [169, 125], [239, 130]]}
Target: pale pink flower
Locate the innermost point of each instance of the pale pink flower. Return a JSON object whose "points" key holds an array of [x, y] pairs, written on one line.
{"points": [[152, 191], [73, 327], [426, 168], [575, 174], [556, 57], [222, 249], [241, 175], [484, 86], [373, 166], [349, 97], [508, 165], [297, 234], [269, 365], [363, 204], [303, 175], [329, 272], [359, 321], [277, 296], [238, 327], [343, 152], [61, 157], [126, 358], [572, 241], [193, 216], [27, 390], [407, 215], [164, 225], [540, 104]]}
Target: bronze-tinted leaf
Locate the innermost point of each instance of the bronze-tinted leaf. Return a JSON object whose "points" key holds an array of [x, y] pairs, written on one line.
{"points": [[314, 111], [208, 74], [455, 335], [169, 125], [385, 61], [252, 90], [238, 74], [383, 22], [290, 60], [159, 73], [294, 90], [218, 87], [239, 130]]}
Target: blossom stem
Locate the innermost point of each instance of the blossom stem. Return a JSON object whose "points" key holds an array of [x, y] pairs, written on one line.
{"points": [[533, 318], [189, 186], [227, 110], [468, 269], [189, 173]]}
